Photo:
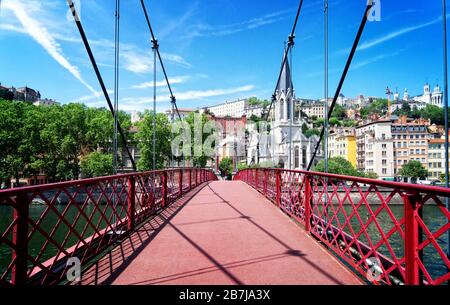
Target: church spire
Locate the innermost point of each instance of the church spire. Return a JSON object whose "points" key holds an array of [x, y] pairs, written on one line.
{"points": [[286, 79]]}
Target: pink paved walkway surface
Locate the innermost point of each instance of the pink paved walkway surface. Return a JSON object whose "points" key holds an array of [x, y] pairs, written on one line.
{"points": [[223, 232]]}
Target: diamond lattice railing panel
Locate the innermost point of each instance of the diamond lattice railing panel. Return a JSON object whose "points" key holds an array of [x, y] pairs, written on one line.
{"points": [[41, 227], [434, 262], [292, 195], [363, 221], [360, 223]]}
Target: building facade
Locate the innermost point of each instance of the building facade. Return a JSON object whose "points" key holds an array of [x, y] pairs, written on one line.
{"points": [[375, 151], [342, 143], [184, 113], [235, 109], [431, 98], [45, 102], [410, 140], [436, 159]]}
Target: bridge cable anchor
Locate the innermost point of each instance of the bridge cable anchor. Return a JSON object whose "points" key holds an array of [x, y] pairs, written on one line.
{"points": [[155, 45], [290, 41]]}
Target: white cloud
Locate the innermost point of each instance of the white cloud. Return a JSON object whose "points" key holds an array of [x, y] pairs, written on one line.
{"points": [[96, 99], [41, 35], [193, 95], [392, 35], [162, 83], [205, 30], [140, 61], [145, 102]]}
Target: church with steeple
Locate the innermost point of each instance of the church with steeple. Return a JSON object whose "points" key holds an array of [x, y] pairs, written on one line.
{"points": [[284, 145]]}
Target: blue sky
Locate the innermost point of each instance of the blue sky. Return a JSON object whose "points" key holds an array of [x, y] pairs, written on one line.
{"points": [[216, 50]]}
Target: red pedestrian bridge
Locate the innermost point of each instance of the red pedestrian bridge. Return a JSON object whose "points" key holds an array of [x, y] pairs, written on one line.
{"points": [[183, 226]]}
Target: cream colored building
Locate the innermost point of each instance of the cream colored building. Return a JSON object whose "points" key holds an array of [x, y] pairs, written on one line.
{"points": [[342, 143], [316, 108], [436, 158], [375, 151], [235, 109], [184, 113]]}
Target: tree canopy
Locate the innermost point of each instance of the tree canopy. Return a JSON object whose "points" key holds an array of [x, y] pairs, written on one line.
{"points": [[144, 137], [52, 139], [413, 169], [226, 166]]}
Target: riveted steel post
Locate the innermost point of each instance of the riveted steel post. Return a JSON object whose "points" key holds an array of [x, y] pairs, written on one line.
{"points": [[308, 197], [190, 179], [278, 185], [20, 239], [265, 182], [412, 238], [164, 189], [180, 182], [131, 203]]}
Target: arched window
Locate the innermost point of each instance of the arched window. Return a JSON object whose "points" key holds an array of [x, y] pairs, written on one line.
{"points": [[282, 109], [288, 109], [297, 157]]}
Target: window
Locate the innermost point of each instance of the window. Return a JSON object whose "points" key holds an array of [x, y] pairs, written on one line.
{"points": [[384, 146], [297, 157]]}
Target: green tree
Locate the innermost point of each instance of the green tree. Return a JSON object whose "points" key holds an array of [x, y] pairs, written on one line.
{"points": [[97, 164], [226, 166], [433, 113], [312, 132], [371, 175], [201, 160], [349, 123], [144, 137], [319, 122], [338, 166], [379, 106], [338, 112], [413, 169], [335, 122], [304, 127], [6, 95], [15, 149]]}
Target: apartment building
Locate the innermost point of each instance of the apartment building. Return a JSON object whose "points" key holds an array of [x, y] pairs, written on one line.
{"points": [[375, 151], [410, 139], [234, 109], [316, 109], [172, 114], [342, 143], [436, 158]]}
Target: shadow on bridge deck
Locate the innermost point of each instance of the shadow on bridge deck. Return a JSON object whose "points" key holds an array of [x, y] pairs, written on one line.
{"points": [[223, 232]]}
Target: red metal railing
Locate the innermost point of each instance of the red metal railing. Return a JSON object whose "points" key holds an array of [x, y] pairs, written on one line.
{"points": [[41, 227], [392, 233]]}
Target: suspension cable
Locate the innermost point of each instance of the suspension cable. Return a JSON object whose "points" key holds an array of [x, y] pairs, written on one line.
{"points": [[155, 42], [116, 83], [99, 77], [344, 75], [155, 47]]}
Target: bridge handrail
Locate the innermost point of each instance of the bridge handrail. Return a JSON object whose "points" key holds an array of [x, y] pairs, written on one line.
{"points": [[109, 208], [354, 218]]}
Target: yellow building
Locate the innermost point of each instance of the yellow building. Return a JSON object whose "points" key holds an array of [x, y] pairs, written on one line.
{"points": [[342, 143]]}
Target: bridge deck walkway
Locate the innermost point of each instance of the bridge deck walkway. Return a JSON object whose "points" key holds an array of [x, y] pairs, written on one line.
{"points": [[222, 232]]}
